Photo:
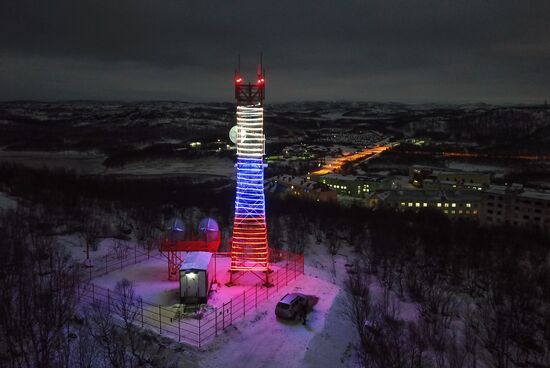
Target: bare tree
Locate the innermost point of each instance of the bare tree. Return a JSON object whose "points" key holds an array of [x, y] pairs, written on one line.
{"points": [[37, 300], [120, 248], [89, 234], [107, 335], [127, 307]]}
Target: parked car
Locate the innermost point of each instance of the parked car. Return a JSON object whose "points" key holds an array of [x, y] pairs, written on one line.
{"points": [[290, 305]]}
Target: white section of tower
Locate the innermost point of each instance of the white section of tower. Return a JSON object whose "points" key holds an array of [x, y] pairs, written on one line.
{"points": [[250, 133]]}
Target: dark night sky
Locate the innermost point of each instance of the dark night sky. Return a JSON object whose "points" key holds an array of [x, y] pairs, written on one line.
{"points": [[406, 50]]}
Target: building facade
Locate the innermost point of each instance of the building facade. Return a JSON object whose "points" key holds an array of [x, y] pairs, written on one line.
{"points": [[289, 185], [431, 178], [355, 186], [517, 206], [464, 204]]}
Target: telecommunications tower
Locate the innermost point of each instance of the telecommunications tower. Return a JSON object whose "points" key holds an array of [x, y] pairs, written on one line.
{"points": [[249, 249]]}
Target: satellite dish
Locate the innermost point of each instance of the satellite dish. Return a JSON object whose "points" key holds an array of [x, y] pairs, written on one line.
{"points": [[233, 134]]}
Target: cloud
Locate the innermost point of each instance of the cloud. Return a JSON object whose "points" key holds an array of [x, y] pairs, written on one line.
{"points": [[351, 50]]}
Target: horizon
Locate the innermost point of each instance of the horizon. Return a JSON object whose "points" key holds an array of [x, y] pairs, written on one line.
{"points": [[206, 102]]}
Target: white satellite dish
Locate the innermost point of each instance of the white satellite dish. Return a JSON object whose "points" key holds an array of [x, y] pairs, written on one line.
{"points": [[233, 134]]}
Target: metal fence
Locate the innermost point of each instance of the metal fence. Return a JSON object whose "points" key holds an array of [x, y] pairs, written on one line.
{"points": [[196, 327], [114, 262]]}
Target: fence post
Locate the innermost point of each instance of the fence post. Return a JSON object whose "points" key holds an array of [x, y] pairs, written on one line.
{"points": [[223, 316], [160, 322], [141, 306], [231, 314], [216, 322], [286, 276], [179, 329], [244, 303]]}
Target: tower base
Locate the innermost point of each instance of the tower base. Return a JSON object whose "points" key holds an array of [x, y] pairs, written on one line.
{"points": [[235, 275]]}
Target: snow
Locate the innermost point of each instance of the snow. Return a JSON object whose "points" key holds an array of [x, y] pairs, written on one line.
{"points": [[263, 341], [75, 246], [7, 202], [260, 339], [465, 166], [196, 261], [83, 162], [205, 166], [150, 280]]}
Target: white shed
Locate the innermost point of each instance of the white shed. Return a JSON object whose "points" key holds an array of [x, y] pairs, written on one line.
{"points": [[196, 274]]}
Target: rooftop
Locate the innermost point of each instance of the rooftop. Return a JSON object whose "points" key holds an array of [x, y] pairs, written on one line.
{"points": [[196, 261], [519, 191]]}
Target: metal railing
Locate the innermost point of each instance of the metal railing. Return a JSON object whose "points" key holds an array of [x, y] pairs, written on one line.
{"points": [[113, 262]]}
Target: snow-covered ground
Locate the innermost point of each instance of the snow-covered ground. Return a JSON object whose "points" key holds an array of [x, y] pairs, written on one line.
{"points": [[83, 162], [7, 202], [150, 280], [92, 163], [203, 166], [75, 246], [466, 166], [260, 340], [263, 341]]}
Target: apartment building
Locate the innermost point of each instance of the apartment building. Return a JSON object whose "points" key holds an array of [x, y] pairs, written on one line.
{"points": [[455, 204], [517, 206]]}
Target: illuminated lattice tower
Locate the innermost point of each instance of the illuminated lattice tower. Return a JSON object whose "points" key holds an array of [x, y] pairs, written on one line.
{"points": [[249, 248]]}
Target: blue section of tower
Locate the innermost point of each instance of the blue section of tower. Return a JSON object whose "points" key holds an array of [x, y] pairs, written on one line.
{"points": [[250, 201]]}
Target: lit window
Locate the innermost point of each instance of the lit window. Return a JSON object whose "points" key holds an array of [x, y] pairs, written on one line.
{"points": [[439, 204], [453, 212], [417, 204], [446, 211], [468, 205], [403, 204], [410, 204], [446, 205], [453, 205], [460, 212], [424, 204]]}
